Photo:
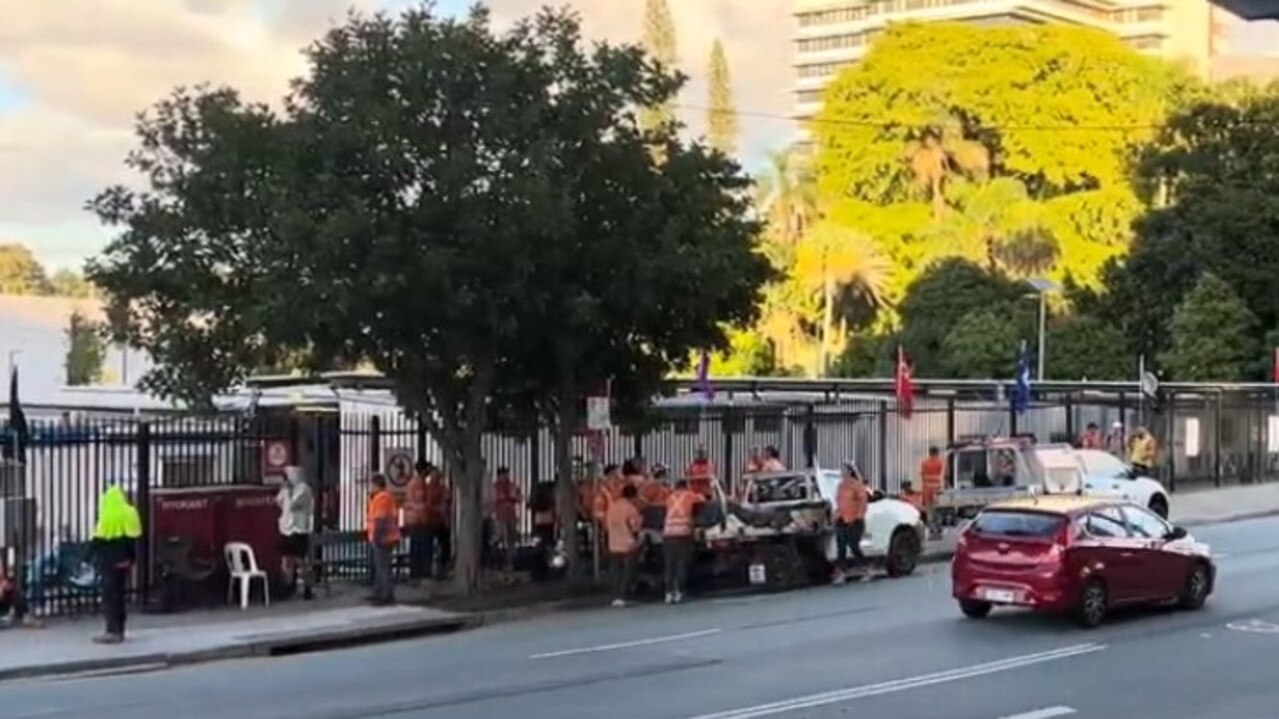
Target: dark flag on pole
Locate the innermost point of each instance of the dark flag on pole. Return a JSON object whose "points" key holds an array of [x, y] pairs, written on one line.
{"points": [[704, 376], [15, 445]]}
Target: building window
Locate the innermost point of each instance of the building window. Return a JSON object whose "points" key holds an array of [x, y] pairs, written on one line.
{"points": [[832, 17], [1150, 14], [832, 42], [822, 69], [804, 97]]}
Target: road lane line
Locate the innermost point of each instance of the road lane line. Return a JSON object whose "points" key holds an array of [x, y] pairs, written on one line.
{"points": [[1046, 713], [627, 645], [898, 685]]}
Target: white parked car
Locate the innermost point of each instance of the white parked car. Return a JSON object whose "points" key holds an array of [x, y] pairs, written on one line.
{"points": [[894, 536], [1105, 475]]}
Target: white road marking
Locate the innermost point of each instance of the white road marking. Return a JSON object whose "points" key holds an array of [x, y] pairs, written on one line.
{"points": [[898, 685], [1046, 713], [627, 645]]}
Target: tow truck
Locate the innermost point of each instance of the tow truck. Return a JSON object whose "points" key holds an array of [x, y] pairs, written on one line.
{"points": [[982, 472], [781, 536]]}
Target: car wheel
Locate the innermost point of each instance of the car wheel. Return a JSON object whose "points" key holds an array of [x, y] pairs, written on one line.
{"points": [[1159, 505], [782, 566], [903, 553], [1195, 593], [1093, 601], [974, 609]]}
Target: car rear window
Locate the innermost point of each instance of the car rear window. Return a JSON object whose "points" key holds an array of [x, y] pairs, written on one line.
{"points": [[1018, 524]]}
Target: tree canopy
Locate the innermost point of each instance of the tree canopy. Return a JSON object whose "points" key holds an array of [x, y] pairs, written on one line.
{"points": [[721, 120], [478, 216], [1212, 335], [21, 273], [86, 351], [1213, 170]]}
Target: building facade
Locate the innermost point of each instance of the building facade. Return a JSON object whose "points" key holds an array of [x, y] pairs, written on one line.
{"points": [[833, 34]]}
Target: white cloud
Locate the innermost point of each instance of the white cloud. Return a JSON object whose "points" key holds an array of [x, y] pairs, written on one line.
{"points": [[86, 67]]}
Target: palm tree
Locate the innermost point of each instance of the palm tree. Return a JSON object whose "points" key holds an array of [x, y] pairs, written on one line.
{"points": [[833, 263], [941, 153], [787, 195]]}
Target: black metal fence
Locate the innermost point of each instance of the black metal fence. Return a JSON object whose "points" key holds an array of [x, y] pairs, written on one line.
{"points": [[1206, 437]]}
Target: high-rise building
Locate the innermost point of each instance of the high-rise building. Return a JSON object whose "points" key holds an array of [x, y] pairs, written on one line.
{"points": [[832, 34]]}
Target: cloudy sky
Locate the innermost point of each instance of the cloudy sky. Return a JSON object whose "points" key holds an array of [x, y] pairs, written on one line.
{"points": [[74, 72]]}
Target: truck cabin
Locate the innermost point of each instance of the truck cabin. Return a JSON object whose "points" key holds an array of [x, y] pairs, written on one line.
{"points": [[1001, 462]]}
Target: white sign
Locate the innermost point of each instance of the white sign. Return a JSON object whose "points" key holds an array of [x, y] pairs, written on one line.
{"points": [[758, 574], [1192, 436], [399, 467], [1272, 434], [597, 414]]}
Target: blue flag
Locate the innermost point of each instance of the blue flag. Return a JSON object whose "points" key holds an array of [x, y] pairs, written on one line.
{"points": [[1021, 387]]}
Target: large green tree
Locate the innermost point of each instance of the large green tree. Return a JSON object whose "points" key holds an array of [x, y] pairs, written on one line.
{"points": [[721, 120], [1006, 134], [20, 272], [945, 294], [659, 41], [1212, 335], [86, 350], [472, 214], [1213, 167]]}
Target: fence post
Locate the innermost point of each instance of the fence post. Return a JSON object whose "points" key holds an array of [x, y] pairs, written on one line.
{"points": [[950, 423], [421, 439], [1070, 418], [535, 460], [375, 445], [810, 436], [1170, 442], [883, 446], [143, 504], [728, 423], [1216, 442]]}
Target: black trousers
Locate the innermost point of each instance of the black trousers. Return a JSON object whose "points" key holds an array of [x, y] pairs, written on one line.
{"points": [[115, 584], [421, 552], [677, 552], [623, 566], [848, 539]]}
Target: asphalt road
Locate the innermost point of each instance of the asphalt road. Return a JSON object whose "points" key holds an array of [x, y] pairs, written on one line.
{"points": [[896, 649]]}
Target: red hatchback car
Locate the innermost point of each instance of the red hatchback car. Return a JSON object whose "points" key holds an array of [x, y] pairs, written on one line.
{"points": [[1077, 555]]}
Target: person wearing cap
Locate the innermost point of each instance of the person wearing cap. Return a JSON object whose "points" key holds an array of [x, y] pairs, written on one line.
{"points": [[851, 501], [1115, 439], [701, 473]]}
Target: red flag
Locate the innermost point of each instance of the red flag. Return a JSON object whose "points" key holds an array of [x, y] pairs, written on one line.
{"points": [[905, 385]]}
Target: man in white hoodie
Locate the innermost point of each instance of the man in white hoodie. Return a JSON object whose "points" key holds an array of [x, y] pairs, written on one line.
{"points": [[297, 518]]}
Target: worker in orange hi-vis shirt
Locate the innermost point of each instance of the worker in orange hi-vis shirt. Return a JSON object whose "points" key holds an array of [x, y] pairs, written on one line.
{"points": [[653, 491], [700, 473], [851, 500], [932, 475]]}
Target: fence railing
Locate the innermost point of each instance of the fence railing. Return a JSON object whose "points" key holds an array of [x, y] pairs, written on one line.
{"points": [[1205, 438]]}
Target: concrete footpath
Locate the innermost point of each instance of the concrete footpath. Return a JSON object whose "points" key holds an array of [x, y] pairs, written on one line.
{"points": [[157, 642]]}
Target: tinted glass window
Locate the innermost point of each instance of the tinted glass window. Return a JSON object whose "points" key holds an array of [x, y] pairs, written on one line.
{"points": [[1098, 525], [1104, 464], [1018, 524], [1145, 524]]}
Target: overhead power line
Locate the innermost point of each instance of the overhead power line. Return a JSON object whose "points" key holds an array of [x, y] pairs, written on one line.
{"points": [[924, 126]]}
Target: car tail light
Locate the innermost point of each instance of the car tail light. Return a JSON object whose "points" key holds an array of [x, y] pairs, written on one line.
{"points": [[1060, 543]]}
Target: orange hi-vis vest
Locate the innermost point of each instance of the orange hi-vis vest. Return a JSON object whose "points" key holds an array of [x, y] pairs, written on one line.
{"points": [[679, 513], [930, 478], [415, 503], [506, 500], [382, 508]]}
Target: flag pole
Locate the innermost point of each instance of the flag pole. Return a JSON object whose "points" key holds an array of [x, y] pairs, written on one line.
{"points": [[1141, 390]]}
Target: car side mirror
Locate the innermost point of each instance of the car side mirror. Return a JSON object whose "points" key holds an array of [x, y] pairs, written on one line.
{"points": [[1177, 533]]}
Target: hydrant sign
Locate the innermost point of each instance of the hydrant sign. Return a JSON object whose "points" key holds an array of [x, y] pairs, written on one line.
{"points": [[597, 414], [276, 455]]}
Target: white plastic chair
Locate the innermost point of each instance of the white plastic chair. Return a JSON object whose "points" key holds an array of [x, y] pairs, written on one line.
{"points": [[243, 565]]}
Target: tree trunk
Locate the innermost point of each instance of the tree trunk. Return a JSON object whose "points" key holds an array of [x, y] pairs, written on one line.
{"points": [[469, 493], [566, 488], [828, 318]]}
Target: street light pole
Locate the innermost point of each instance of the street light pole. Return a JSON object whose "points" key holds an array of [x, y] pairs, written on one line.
{"points": [[1043, 316]]}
